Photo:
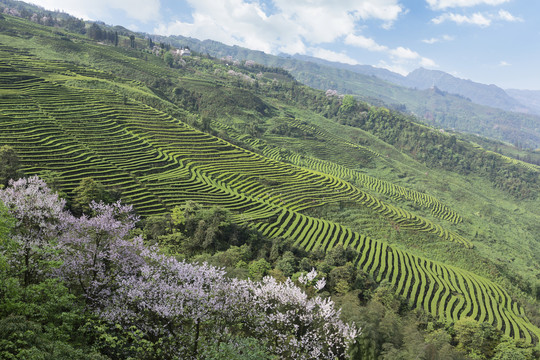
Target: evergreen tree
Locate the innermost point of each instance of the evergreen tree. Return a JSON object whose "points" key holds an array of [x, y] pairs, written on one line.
{"points": [[89, 190], [9, 165]]}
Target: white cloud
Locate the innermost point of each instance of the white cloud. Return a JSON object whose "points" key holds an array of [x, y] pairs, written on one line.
{"points": [[434, 40], [141, 10], [404, 53], [504, 63], [482, 20], [428, 63], [364, 43], [332, 56], [291, 27], [387, 10], [297, 47], [397, 68], [474, 19], [236, 22], [403, 65], [506, 16], [401, 58], [444, 4], [405, 58], [431, 40]]}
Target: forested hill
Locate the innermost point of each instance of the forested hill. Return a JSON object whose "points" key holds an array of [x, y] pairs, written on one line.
{"points": [[423, 238]]}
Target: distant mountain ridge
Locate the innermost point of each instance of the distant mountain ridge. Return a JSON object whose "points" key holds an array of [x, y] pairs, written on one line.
{"points": [[421, 78], [489, 95], [369, 70], [530, 98]]}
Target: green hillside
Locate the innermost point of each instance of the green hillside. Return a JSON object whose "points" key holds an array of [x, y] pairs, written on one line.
{"points": [[452, 227], [443, 109]]}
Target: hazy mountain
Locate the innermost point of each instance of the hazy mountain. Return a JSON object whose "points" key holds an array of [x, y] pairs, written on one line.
{"points": [[369, 70], [529, 98], [489, 95]]}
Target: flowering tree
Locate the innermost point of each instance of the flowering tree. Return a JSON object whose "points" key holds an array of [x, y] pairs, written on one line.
{"points": [[37, 211], [189, 305], [186, 303], [96, 251], [331, 93], [296, 326]]}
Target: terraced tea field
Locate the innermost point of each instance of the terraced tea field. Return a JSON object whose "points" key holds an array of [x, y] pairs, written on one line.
{"points": [[158, 162], [396, 192]]}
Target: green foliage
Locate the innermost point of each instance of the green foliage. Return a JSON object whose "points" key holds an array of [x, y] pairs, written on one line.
{"points": [[237, 349], [90, 190], [53, 180], [348, 104], [339, 256], [177, 215], [287, 264], [508, 349], [234, 256], [258, 269], [41, 321], [6, 224], [342, 278], [444, 151], [168, 58], [9, 165], [469, 334], [387, 297], [115, 342], [390, 335], [210, 229], [156, 226], [476, 339]]}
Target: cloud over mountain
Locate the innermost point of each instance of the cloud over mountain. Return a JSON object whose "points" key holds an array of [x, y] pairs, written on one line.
{"points": [[444, 4]]}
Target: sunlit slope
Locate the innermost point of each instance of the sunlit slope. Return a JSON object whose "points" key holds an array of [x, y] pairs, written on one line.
{"points": [[158, 162]]}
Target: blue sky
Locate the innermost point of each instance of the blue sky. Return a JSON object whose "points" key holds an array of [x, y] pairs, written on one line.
{"points": [[488, 41]]}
